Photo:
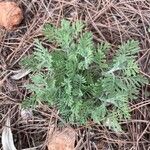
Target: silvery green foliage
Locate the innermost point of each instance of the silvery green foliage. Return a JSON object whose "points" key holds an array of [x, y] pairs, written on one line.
{"points": [[79, 81]]}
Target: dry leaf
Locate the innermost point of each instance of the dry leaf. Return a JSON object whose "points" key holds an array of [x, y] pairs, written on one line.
{"points": [[62, 140], [10, 15], [34, 148], [26, 114], [7, 138], [20, 74]]}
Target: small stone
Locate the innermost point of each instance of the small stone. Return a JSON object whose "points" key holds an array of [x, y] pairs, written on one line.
{"points": [[62, 140], [10, 15]]}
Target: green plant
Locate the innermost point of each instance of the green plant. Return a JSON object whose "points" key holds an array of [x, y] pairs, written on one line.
{"points": [[79, 81]]}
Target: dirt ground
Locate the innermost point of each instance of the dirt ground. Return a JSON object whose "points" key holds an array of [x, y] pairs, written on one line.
{"points": [[114, 21]]}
